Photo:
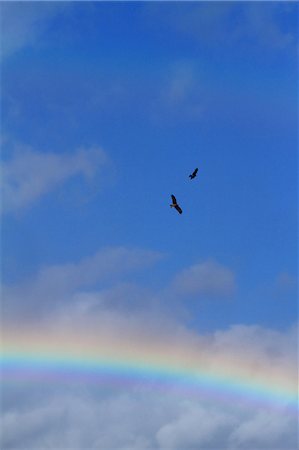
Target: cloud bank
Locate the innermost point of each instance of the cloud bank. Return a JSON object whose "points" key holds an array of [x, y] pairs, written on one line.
{"points": [[141, 415], [100, 311]]}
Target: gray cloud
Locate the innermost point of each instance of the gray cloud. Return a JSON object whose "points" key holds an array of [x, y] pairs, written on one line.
{"points": [[138, 416], [286, 284], [208, 278], [54, 285], [141, 419], [101, 279], [196, 427], [29, 174], [264, 430]]}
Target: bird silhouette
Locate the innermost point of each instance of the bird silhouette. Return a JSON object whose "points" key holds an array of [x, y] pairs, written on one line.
{"points": [[193, 174], [175, 205]]}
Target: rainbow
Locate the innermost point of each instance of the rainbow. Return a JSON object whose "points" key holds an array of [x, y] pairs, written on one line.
{"points": [[52, 357]]}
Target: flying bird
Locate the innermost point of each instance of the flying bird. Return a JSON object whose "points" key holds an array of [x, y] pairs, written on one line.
{"points": [[175, 204], [193, 175]]}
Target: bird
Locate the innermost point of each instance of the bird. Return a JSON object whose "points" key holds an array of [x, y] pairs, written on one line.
{"points": [[193, 174], [175, 204]]}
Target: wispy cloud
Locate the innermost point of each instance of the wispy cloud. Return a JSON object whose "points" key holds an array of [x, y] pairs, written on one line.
{"points": [[180, 84], [265, 24], [178, 94], [29, 174], [24, 23], [286, 283], [222, 23]]}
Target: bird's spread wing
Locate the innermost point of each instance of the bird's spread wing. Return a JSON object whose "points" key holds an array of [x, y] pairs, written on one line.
{"points": [[178, 208], [173, 199]]}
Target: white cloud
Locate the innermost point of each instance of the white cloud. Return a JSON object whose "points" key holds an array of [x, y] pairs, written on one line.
{"points": [[54, 285], [24, 23], [257, 338], [106, 263], [125, 319], [30, 174], [138, 415], [208, 278]]}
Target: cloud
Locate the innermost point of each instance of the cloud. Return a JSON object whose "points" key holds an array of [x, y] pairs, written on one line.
{"points": [[226, 24], [263, 430], [195, 427], [29, 174], [180, 84], [123, 319], [265, 23], [260, 346], [209, 279], [102, 279], [177, 93], [286, 283], [39, 420], [137, 419], [138, 415], [54, 285], [23, 24]]}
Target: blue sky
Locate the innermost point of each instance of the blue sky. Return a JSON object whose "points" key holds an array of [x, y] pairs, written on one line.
{"points": [[106, 110], [161, 97]]}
